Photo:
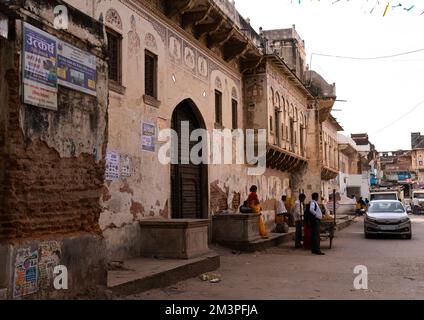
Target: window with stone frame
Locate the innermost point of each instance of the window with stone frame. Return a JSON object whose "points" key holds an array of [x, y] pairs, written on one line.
{"points": [[150, 74], [234, 107], [218, 107], [115, 56]]}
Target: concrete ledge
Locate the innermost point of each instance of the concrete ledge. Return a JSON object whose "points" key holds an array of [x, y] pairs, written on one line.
{"points": [[144, 274], [274, 240], [235, 228], [174, 239]]}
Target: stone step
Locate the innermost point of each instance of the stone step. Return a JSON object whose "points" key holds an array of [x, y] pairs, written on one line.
{"points": [[143, 274], [274, 240]]}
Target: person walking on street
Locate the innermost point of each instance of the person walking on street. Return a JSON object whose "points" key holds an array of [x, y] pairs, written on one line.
{"points": [[297, 214], [316, 217]]}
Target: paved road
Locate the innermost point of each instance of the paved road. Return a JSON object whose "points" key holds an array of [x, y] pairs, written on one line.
{"points": [[396, 271]]}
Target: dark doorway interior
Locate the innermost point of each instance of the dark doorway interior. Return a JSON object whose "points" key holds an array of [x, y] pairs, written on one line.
{"points": [[189, 187]]}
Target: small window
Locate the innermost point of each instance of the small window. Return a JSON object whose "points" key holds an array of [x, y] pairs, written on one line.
{"points": [[115, 56], [271, 124], [235, 114], [218, 107], [150, 74], [421, 163]]}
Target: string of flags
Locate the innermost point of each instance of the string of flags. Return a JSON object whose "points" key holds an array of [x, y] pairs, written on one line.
{"points": [[385, 7]]}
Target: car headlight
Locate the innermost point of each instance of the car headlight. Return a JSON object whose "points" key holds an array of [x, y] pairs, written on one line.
{"points": [[404, 220], [369, 219]]}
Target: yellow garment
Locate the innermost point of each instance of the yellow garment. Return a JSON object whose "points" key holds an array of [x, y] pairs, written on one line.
{"points": [[256, 208], [290, 204], [262, 228]]}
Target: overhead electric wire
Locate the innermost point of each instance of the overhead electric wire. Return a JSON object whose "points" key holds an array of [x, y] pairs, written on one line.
{"points": [[400, 118], [368, 58]]}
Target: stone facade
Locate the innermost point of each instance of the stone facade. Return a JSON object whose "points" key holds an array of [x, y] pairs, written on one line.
{"points": [[331, 157], [194, 60], [418, 164], [92, 168]]}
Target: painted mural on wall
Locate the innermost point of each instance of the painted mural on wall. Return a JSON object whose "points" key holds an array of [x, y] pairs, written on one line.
{"points": [[134, 47], [113, 18]]}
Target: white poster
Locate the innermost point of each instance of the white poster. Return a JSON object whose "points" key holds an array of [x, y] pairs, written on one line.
{"points": [[40, 68], [4, 26], [112, 166]]}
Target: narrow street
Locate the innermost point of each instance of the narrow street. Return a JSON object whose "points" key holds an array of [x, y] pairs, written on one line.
{"points": [[395, 271]]}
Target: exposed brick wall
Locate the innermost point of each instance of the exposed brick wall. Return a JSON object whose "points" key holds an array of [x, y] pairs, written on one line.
{"points": [[219, 199], [41, 191]]}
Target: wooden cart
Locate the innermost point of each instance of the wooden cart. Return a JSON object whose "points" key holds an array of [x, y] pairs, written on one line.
{"points": [[328, 229]]}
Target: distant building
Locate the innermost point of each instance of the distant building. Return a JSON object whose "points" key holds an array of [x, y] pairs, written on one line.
{"points": [[354, 169], [397, 169], [417, 140]]}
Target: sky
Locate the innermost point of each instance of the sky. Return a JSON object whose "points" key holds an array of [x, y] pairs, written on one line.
{"points": [[378, 92]]}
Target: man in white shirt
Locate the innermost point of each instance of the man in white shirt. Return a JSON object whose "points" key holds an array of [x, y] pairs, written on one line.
{"points": [[415, 205], [297, 215], [281, 213], [281, 207], [316, 212]]}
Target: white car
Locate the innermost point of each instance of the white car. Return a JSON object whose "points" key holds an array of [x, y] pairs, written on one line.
{"points": [[387, 217]]}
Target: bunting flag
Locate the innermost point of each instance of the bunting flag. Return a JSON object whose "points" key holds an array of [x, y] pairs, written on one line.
{"points": [[381, 6]]}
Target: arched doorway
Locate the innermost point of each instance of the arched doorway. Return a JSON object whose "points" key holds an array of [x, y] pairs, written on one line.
{"points": [[189, 182]]}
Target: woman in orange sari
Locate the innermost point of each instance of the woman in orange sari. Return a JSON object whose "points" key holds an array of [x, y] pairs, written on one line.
{"points": [[254, 204]]}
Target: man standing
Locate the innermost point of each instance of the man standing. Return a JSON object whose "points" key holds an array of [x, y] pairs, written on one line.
{"points": [[281, 213], [297, 215], [415, 205], [315, 224]]}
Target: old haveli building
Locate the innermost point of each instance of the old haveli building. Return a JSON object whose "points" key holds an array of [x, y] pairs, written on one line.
{"points": [[196, 61], [201, 61]]}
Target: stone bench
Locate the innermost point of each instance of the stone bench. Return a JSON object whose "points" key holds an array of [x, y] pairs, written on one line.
{"points": [[235, 228], [174, 238]]}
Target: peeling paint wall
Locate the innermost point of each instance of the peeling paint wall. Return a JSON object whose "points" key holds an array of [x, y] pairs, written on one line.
{"points": [[52, 160], [186, 70], [51, 167]]}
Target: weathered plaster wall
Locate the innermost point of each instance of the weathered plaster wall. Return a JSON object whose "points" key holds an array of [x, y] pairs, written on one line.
{"points": [[52, 160], [185, 71], [52, 166]]}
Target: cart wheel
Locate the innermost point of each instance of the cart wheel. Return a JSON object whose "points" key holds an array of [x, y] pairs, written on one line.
{"points": [[331, 242]]}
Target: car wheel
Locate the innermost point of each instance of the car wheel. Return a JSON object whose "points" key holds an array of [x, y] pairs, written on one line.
{"points": [[409, 236], [367, 235]]}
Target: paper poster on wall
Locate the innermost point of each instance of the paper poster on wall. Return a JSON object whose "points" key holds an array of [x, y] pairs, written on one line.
{"points": [[26, 273], [4, 26], [125, 166], [76, 69], [39, 68], [112, 166], [148, 137], [50, 253]]}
